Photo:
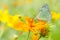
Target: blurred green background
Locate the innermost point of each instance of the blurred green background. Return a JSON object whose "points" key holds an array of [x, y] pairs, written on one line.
{"points": [[29, 8]]}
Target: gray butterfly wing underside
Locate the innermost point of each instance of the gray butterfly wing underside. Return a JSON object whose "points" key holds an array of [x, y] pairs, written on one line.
{"points": [[44, 13]]}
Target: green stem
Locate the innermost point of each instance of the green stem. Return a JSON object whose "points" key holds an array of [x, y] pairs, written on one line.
{"points": [[39, 36], [28, 35]]}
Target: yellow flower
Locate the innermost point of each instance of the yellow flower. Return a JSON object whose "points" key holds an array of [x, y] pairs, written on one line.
{"points": [[35, 37], [7, 18], [0, 14], [4, 16], [12, 20], [58, 15], [0, 11], [16, 17], [55, 15]]}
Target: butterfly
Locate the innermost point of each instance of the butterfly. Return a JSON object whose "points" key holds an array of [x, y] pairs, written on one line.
{"points": [[44, 13]]}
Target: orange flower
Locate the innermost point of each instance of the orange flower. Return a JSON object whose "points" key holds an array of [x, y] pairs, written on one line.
{"points": [[30, 22], [26, 28], [42, 28], [35, 26], [41, 24], [18, 25]]}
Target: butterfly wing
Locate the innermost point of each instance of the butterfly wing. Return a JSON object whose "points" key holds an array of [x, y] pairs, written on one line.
{"points": [[44, 13]]}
